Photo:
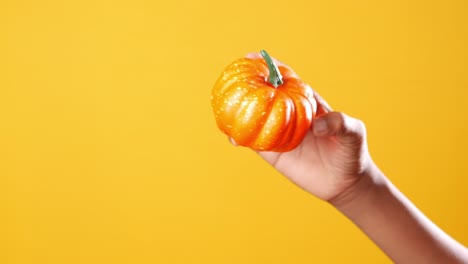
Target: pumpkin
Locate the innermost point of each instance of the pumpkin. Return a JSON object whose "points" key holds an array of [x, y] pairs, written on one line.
{"points": [[263, 105]]}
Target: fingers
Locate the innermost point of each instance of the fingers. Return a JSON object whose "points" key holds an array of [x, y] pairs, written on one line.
{"points": [[253, 55], [339, 125], [322, 106], [233, 142], [347, 129]]}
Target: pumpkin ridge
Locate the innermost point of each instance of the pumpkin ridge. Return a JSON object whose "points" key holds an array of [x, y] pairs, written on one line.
{"points": [[289, 133], [300, 118], [222, 89], [277, 96], [241, 112], [262, 121], [231, 74]]}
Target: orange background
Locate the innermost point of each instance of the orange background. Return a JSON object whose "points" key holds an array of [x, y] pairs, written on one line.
{"points": [[109, 152]]}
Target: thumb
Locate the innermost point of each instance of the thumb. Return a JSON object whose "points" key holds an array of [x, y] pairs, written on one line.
{"points": [[340, 125]]}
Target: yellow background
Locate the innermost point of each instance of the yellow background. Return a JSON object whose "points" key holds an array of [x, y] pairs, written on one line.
{"points": [[109, 152]]}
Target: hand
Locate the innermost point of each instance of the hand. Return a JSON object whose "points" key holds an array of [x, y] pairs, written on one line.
{"points": [[332, 158], [333, 163]]}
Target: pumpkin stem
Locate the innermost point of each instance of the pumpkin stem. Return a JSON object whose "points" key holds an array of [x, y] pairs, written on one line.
{"points": [[275, 77]]}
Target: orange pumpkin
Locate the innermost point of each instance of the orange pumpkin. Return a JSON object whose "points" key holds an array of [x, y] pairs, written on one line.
{"points": [[262, 105]]}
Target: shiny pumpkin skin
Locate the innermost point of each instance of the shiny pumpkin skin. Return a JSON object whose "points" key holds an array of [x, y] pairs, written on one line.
{"points": [[257, 115]]}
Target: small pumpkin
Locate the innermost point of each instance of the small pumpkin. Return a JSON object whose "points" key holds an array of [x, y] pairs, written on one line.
{"points": [[263, 105]]}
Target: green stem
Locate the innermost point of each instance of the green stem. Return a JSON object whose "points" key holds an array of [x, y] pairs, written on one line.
{"points": [[275, 77]]}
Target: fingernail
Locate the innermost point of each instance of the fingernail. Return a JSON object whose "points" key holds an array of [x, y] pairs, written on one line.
{"points": [[320, 126], [233, 142]]}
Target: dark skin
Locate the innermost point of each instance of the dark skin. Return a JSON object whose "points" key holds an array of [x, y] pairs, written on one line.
{"points": [[333, 164]]}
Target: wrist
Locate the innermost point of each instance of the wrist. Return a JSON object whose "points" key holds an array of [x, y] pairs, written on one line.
{"points": [[394, 224], [361, 191]]}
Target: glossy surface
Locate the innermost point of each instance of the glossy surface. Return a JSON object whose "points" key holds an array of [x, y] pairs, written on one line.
{"points": [[250, 110]]}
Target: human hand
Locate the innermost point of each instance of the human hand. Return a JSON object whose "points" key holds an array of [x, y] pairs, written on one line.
{"points": [[331, 159], [333, 163]]}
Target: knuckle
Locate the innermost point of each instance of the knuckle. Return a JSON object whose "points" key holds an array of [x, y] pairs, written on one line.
{"points": [[360, 125], [341, 119], [359, 128], [339, 122], [351, 125]]}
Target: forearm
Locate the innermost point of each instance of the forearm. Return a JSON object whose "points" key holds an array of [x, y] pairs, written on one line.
{"points": [[387, 217]]}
